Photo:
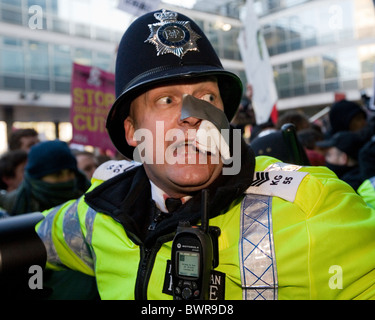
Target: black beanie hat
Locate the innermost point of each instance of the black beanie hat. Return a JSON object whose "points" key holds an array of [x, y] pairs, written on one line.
{"points": [[49, 157], [341, 113]]}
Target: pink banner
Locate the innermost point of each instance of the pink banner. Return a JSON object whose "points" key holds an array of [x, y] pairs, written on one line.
{"points": [[93, 93]]}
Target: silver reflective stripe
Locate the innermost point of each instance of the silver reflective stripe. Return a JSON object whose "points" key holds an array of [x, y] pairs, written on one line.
{"points": [[45, 233], [89, 222], [73, 235], [256, 249], [372, 180]]}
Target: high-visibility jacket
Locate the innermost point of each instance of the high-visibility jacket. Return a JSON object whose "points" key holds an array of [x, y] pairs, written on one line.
{"points": [[297, 233], [367, 191]]}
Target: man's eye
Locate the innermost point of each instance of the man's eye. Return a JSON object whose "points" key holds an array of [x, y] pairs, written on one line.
{"points": [[165, 100], [208, 97]]}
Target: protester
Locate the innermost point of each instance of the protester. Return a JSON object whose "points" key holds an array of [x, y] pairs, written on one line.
{"points": [[51, 177], [297, 118], [101, 158], [284, 233], [23, 139], [341, 155], [347, 116], [308, 138], [245, 114], [86, 162], [12, 165]]}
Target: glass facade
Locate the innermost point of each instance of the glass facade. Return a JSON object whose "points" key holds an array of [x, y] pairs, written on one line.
{"points": [[43, 66], [330, 44], [316, 46]]}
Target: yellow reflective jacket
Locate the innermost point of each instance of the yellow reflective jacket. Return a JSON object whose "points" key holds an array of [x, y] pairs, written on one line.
{"points": [[314, 237], [367, 191]]}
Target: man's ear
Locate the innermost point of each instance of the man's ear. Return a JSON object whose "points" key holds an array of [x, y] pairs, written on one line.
{"points": [[129, 131]]}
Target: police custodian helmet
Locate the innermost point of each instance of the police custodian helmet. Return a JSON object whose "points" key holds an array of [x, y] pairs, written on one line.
{"points": [[160, 47]]}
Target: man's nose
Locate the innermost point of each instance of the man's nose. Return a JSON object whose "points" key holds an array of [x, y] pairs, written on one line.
{"points": [[190, 121], [189, 102]]}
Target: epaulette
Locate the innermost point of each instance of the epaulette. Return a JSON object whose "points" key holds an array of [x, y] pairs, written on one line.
{"points": [[112, 168], [280, 180]]}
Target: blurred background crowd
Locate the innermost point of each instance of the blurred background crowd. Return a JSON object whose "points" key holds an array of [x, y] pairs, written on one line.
{"points": [[36, 175]]}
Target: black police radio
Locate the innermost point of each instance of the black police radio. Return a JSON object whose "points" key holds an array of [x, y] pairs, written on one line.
{"points": [[194, 255]]}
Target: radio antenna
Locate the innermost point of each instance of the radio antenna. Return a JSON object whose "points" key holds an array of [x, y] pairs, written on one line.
{"points": [[204, 211]]}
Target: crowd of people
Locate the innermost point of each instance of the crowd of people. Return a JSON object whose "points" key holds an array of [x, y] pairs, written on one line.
{"points": [[345, 143], [36, 176], [283, 225], [31, 171]]}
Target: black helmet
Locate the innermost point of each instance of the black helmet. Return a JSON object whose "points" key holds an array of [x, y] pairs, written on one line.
{"points": [[159, 47]]}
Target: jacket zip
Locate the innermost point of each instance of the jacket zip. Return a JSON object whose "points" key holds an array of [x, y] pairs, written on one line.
{"points": [[146, 262], [146, 265], [144, 271]]}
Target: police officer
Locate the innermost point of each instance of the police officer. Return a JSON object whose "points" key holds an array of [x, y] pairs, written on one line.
{"points": [[287, 232]]}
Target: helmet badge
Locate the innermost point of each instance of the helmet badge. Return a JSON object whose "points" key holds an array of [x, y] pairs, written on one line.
{"points": [[172, 36]]}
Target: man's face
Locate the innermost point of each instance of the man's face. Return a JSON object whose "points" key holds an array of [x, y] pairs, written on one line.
{"points": [[63, 175], [358, 122], [87, 164], [28, 141], [158, 111], [336, 156]]}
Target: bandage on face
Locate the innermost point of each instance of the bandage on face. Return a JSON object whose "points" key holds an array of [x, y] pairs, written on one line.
{"points": [[209, 137]]}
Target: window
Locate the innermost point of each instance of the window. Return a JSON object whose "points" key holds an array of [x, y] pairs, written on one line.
{"points": [[37, 58], [330, 67], [62, 66], [62, 61], [367, 58], [298, 73], [11, 16], [83, 56], [312, 67], [12, 61], [348, 64]]}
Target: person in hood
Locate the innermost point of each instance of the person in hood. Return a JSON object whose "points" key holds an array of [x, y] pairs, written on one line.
{"points": [[347, 116], [51, 177], [341, 156]]}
